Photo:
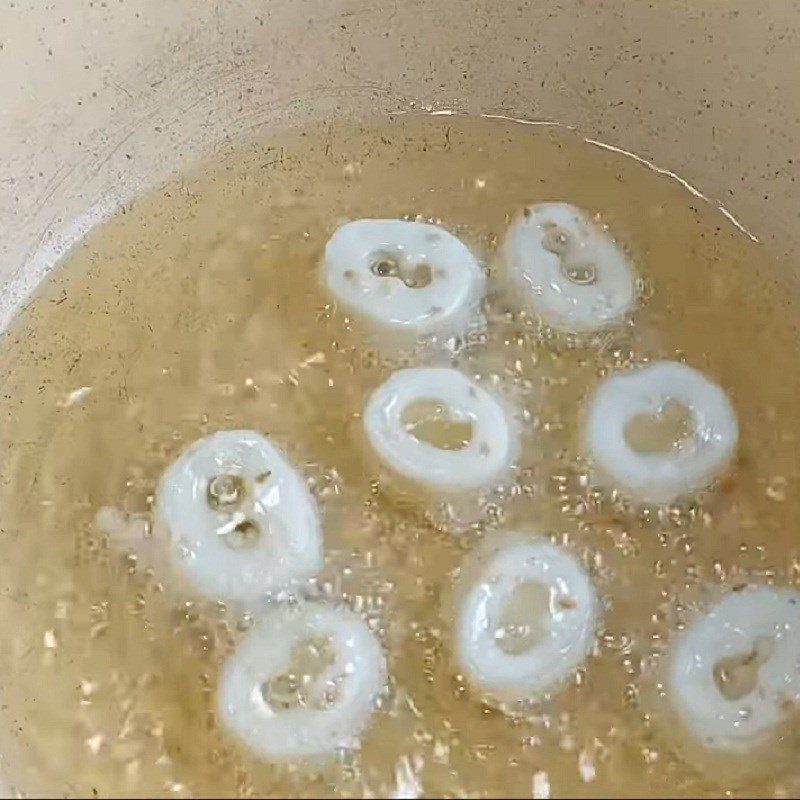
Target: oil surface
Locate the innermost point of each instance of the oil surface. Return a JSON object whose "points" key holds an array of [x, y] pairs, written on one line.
{"points": [[199, 307]]}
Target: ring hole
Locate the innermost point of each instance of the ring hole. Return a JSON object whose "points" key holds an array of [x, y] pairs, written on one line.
{"points": [[668, 430], [523, 621], [419, 276], [386, 264], [581, 273], [737, 676], [555, 239], [244, 535], [560, 242], [225, 492], [432, 422], [305, 683]]}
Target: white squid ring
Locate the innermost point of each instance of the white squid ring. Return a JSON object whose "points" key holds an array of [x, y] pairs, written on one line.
{"points": [[581, 281], [488, 454], [762, 623], [569, 629], [661, 477], [445, 305], [357, 675], [266, 500]]}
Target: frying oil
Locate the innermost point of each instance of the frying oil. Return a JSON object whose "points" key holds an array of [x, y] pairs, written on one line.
{"points": [[199, 307]]}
